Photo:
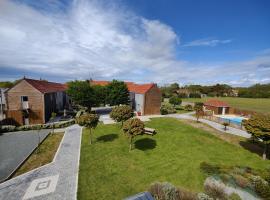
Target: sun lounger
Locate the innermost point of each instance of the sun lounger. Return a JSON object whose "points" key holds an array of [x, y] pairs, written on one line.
{"points": [[149, 131]]}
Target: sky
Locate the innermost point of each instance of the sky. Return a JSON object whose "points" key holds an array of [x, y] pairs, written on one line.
{"points": [[185, 41]]}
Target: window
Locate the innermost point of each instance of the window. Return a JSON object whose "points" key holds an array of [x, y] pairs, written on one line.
{"points": [[24, 98]]}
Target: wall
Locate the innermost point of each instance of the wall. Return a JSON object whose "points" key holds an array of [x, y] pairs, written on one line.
{"points": [[152, 101], [35, 100]]}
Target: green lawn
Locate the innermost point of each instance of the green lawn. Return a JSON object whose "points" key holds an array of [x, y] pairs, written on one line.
{"points": [[258, 105], [109, 171]]}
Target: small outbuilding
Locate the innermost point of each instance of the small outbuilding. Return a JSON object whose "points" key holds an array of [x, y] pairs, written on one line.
{"points": [[218, 107]]}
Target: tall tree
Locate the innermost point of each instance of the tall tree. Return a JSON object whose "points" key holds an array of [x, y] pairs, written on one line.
{"points": [[117, 93], [133, 127], [259, 127], [82, 93]]}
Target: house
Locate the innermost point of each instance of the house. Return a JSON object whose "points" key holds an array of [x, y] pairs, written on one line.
{"points": [[32, 101], [218, 107], [145, 99], [2, 103]]}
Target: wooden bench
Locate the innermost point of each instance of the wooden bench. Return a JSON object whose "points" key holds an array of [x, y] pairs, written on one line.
{"points": [[149, 131]]}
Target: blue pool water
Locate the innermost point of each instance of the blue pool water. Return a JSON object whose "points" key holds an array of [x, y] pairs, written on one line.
{"points": [[235, 120]]}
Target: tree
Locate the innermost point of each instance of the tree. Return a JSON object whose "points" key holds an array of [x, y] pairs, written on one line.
{"points": [[225, 124], [188, 107], [89, 121], [117, 93], [82, 93], [259, 127], [100, 94], [53, 116], [121, 113], [199, 110], [175, 100], [133, 127]]}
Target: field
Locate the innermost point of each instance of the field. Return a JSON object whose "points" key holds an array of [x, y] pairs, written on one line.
{"points": [[257, 105], [109, 171]]}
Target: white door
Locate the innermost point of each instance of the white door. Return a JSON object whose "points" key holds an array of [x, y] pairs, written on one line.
{"points": [[26, 121]]}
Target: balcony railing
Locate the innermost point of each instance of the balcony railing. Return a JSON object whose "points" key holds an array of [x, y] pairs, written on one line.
{"points": [[25, 105]]}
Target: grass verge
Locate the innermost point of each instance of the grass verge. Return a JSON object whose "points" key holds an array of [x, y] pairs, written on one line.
{"points": [[45, 155]]}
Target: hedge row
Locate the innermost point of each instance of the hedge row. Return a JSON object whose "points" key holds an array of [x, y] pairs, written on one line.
{"points": [[10, 128]]}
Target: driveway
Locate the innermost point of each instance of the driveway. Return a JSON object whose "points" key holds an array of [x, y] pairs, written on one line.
{"points": [[15, 147]]}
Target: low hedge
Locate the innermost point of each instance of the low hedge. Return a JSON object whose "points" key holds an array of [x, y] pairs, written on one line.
{"points": [[63, 124]]}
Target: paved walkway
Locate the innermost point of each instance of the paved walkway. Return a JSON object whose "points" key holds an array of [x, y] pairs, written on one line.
{"points": [[215, 125], [56, 180]]}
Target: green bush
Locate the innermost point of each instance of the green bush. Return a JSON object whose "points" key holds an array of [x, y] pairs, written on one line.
{"points": [[175, 100], [167, 109], [261, 186], [234, 196], [194, 95], [188, 107], [121, 113]]}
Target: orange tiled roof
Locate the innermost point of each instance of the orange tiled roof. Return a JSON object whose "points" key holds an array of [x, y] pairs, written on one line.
{"points": [[132, 87], [216, 103], [46, 86]]}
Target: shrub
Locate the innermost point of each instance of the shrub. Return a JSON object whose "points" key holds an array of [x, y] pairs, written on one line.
{"points": [[175, 100], [186, 195], [209, 169], [163, 191], [215, 189], [194, 95], [203, 196], [261, 186], [234, 196], [182, 95], [188, 107], [241, 181], [121, 113], [167, 109], [167, 191]]}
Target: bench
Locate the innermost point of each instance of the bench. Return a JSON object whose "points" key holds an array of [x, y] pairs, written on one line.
{"points": [[149, 131]]}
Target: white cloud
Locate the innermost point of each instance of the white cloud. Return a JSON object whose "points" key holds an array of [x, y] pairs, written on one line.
{"points": [[207, 42], [105, 42]]}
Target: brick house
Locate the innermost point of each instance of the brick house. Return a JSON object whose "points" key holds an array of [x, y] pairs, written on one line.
{"points": [[218, 107], [144, 98], [33, 101]]}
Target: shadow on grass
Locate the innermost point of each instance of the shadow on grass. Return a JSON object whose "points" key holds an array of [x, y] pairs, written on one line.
{"points": [[254, 147], [145, 144], [107, 138]]}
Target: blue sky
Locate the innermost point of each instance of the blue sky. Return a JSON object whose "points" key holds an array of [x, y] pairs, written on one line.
{"points": [[188, 41]]}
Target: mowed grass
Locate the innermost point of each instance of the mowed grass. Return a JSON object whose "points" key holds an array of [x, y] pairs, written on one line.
{"points": [[258, 105], [109, 171]]}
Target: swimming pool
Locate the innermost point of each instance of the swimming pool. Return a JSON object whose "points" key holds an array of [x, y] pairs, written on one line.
{"points": [[235, 120]]}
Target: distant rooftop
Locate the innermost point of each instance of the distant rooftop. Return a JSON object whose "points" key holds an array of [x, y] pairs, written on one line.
{"points": [[216, 103], [132, 87]]}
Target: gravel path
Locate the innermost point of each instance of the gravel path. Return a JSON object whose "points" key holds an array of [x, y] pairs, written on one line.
{"points": [[56, 180]]}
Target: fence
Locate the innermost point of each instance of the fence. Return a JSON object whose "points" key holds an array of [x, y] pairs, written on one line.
{"points": [[222, 120]]}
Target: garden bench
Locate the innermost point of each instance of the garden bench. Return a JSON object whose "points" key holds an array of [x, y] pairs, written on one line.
{"points": [[149, 131]]}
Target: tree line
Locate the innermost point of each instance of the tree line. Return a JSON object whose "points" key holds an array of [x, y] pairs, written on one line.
{"points": [[217, 90]]}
